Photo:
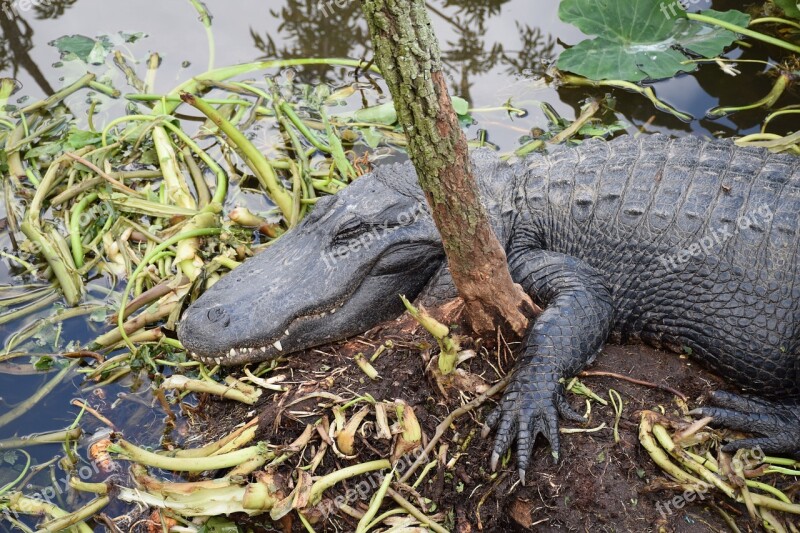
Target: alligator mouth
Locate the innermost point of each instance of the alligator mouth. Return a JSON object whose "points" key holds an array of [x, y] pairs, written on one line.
{"points": [[268, 348], [262, 350]]}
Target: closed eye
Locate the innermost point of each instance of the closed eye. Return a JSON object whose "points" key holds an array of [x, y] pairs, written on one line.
{"points": [[350, 228]]}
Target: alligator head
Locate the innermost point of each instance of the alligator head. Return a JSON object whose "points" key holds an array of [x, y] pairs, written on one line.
{"points": [[337, 274]]}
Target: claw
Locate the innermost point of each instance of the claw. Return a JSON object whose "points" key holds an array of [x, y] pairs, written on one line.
{"points": [[491, 421], [778, 424], [505, 435], [530, 407]]}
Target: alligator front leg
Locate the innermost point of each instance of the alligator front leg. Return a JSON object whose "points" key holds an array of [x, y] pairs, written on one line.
{"points": [[777, 423], [565, 338]]}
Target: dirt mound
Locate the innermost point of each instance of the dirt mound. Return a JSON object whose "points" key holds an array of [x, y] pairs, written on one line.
{"points": [[598, 485]]}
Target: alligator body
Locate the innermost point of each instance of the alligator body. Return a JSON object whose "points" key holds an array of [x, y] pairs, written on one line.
{"points": [[685, 244]]}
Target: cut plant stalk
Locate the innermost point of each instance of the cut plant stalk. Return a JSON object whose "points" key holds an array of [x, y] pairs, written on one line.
{"points": [[135, 454], [145, 261], [186, 250], [410, 436], [345, 440], [76, 517], [767, 101], [59, 95], [19, 503], [7, 87], [177, 190], [328, 481], [206, 498], [448, 345], [366, 367], [375, 504], [647, 92], [253, 157], [224, 73], [183, 383], [61, 263], [744, 31], [29, 331]]}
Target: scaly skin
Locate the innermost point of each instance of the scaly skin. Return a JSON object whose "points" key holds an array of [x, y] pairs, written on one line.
{"points": [[634, 239]]}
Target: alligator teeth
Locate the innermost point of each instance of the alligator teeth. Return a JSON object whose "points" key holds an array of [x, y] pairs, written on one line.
{"points": [[263, 348], [278, 346], [287, 332], [218, 360], [233, 352]]}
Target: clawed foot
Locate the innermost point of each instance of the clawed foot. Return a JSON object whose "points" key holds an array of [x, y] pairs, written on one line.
{"points": [[778, 424], [530, 407]]}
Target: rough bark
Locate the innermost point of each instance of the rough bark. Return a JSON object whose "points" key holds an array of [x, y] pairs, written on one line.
{"points": [[407, 52]]}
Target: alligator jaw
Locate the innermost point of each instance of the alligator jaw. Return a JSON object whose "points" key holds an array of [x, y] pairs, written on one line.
{"points": [[265, 350], [237, 354]]}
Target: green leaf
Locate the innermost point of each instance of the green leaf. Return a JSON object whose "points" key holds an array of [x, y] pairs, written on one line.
{"points": [[701, 41], [77, 139], [372, 136], [44, 363], [379, 114], [460, 105], [88, 50], [640, 39], [791, 8], [42, 150], [10, 457]]}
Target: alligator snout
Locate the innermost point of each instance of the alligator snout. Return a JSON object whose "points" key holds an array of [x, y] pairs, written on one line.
{"points": [[204, 332]]}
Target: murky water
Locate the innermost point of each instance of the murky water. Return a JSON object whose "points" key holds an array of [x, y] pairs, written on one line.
{"points": [[494, 50]]}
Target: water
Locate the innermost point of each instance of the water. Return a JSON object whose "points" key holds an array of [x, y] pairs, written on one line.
{"points": [[494, 51]]}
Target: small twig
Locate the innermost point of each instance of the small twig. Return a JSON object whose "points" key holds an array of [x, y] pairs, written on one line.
{"points": [[94, 168], [590, 373], [92, 411], [416, 513], [445, 424]]}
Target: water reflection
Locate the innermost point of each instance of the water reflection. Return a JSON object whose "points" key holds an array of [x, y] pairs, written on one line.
{"points": [[469, 48], [16, 36]]}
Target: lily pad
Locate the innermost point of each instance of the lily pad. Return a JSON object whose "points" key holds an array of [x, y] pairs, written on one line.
{"points": [[640, 39]]}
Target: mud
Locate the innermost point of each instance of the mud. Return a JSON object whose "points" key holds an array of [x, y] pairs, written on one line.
{"points": [[598, 485]]}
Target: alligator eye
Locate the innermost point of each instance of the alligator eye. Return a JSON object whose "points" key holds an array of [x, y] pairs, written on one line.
{"points": [[218, 314], [349, 229]]}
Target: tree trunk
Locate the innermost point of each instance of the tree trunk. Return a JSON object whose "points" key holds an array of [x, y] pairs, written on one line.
{"points": [[407, 52]]}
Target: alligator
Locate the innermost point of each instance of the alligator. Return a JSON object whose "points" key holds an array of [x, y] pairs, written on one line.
{"points": [[686, 244]]}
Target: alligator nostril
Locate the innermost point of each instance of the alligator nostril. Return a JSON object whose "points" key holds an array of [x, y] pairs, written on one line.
{"points": [[218, 314]]}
